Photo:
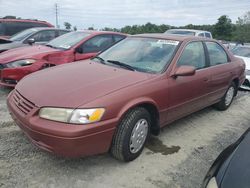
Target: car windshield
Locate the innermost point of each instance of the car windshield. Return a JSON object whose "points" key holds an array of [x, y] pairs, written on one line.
{"points": [[141, 54], [68, 40], [242, 51], [23, 34], [180, 32]]}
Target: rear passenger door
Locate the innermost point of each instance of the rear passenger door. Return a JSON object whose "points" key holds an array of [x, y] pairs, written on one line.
{"points": [[221, 70]]}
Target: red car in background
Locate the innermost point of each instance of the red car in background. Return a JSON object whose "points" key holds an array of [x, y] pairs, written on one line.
{"points": [[73, 46], [9, 27]]}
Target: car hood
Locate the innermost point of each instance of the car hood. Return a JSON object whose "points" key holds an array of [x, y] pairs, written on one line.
{"points": [[246, 60], [10, 45], [237, 172], [27, 52], [75, 84]]}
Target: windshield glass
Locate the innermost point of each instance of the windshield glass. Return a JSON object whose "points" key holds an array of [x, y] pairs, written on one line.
{"points": [[180, 32], [242, 51], [143, 54], [23, 34], [68, 40]]}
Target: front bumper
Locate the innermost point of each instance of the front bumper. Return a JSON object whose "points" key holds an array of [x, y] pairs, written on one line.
{"points": [[61, 138]]}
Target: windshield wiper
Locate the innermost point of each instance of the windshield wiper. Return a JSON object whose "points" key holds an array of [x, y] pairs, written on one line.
{"points": [[121, 64], [99, 58]]}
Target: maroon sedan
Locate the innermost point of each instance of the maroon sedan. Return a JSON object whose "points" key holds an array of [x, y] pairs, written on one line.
{"points": [[114, 101], [73, 46]]}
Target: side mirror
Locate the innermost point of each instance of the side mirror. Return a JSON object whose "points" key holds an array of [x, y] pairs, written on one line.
{"points": [[184, 71], [79, 50], [31, 41]]}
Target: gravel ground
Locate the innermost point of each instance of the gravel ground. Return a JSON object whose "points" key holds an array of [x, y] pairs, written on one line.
{"points": [[179, 157]]}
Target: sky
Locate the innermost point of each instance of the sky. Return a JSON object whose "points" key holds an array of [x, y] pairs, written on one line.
{"points": [[119, 13]]}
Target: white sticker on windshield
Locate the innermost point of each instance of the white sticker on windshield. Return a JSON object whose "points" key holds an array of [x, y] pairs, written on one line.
{"points": [[172, 42]]}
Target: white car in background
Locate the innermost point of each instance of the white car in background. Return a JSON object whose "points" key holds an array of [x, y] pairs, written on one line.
{"points": [[192, 32], [243, 51]]}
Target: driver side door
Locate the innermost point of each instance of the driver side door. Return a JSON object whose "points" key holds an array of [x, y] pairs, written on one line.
{"points": [[188, 93], [93, 46]]}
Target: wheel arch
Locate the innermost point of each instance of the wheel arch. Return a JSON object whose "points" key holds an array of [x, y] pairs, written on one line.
{"points": [[150, 106]]}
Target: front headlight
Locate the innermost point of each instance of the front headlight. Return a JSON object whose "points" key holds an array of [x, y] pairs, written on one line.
{"points": [[78, 116], [212, 183], [20, 63]]}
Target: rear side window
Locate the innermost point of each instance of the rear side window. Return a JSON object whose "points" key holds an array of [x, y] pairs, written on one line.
{"points": [[193, 55], [98, 43], [208, 35], [2, 29], [201, 35], [217, 54], [117, 38], [60, 32]]}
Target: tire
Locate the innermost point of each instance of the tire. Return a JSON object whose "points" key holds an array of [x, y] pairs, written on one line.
{"points": [[227, 99], [122, 147]]}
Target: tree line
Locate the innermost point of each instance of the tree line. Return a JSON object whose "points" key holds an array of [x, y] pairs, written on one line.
{"points": [[223, 29]]}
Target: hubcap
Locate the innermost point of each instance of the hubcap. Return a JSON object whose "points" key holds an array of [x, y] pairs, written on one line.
{"points": [[139, 135], [229, 96]]}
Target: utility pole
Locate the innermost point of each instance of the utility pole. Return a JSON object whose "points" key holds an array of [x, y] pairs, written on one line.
{"points": [[56, 8]]}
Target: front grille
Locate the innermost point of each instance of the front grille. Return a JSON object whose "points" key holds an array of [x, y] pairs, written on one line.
{"points": [[21, 103]]}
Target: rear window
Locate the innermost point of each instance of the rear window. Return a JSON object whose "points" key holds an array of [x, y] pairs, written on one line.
{"points": [[242, 51], [11, 28]]}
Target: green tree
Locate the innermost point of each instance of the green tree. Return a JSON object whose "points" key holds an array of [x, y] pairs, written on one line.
{"points": [[223, 28], [67, 25], [9, 17], [242, 28]]}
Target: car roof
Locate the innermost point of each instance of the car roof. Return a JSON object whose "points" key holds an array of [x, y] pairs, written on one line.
{"points": [[47, 28], [169, 36], [25, 20], [192, 30], [100, 32]]}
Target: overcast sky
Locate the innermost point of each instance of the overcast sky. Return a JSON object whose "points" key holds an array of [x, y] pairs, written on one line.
{"points": [[118, 13]]}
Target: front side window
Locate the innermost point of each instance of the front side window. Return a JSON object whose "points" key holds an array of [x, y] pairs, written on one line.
{"points": [[23, 34], [143, 54], [98, 43], [44, 36], [217, 54], [193, 55]]}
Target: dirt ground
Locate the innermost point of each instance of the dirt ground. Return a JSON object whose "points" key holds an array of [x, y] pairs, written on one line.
{"points": [[179, 157]]}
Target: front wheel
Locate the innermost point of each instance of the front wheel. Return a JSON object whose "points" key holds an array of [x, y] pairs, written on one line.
{"points": [[227, 99], [131, 135]]}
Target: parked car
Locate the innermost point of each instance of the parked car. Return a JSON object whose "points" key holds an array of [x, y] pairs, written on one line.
{"points": [[9, 27], [231, 168], [191, 32], [243, 51], [115, 100], [38, 35], [73, 46]]}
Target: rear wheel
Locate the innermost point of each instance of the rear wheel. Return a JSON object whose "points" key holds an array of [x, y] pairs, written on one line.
{"points": [[227, 99], [131, 135]]}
